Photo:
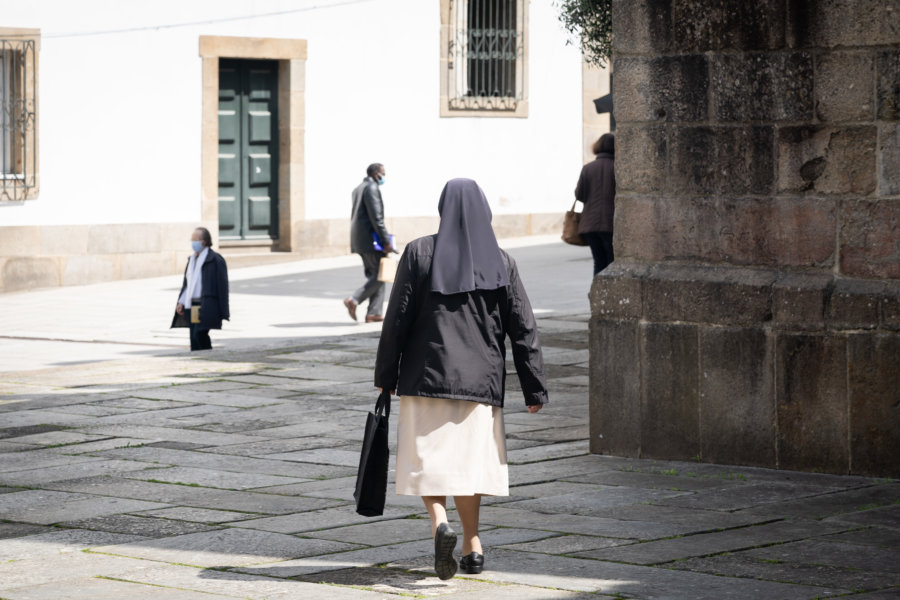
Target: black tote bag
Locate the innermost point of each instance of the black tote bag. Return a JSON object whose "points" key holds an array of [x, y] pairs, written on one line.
{"points": [[371, 480]]}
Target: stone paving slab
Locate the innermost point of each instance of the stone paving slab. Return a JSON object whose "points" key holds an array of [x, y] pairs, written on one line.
{"points": [[40, 459], [707, 544], [591, 502], [241, 585], [747, 496], [226, 548], [741, 565], [197, 515], [57, 438], [401, 583], [48, 507], [135, 525], [280, 446], [102, 589], [569, 544], [194, 436], [63, 568], [14, 530], [321, 519], [46, 475], [59, 541], [228, 480], [836, 503], [527, 568], [886, 516], [99, 446], [169, 494], [819, 552], [509, 517], [240, 464]]}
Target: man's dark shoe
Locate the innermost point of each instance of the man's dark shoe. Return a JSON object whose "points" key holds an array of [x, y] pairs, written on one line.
{"points": [[473, 563], [351, 305], [374, 318], [444, 543]]}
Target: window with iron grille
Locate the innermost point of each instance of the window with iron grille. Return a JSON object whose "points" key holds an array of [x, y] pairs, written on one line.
{"points": [[18, 117], [485, 57]]}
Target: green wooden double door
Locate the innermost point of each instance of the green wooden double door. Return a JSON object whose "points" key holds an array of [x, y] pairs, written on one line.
{"points": [[248, 149]]}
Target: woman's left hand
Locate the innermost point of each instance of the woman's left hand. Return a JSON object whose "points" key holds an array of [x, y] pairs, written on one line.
{"points": [[534, 408]]}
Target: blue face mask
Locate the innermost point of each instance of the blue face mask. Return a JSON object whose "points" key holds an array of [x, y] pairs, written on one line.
{"points": [[381, 181], [197, 246]]}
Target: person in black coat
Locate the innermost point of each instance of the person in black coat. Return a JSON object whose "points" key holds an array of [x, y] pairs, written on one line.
{"points": [[456, 298], [205, 286], [597, 190]]}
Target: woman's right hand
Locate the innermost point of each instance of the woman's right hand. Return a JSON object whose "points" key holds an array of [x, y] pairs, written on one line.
{"points": [[179, 308], [534, 408]]}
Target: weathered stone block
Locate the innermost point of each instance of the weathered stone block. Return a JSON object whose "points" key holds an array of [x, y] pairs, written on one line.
{"points": [[798, 301], [888, 93], [832, 23], [737, 415], [870, 238], [762, 87], [615, 376], [92, 268], [708, 295], [642, 26], [642, 159], [133, 237], [890, 306], [854, 304], [844, 90], [811, 401], [26, 272], [889, 160], [874, 372], [670, 411], [616, 291], [747, 231], [669, 88], [709, 25], [721, 160], [20, 241], [827, 160]]}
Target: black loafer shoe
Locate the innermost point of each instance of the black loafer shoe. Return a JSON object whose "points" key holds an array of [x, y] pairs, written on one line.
{"points": [[444, 543], [472, 564]]}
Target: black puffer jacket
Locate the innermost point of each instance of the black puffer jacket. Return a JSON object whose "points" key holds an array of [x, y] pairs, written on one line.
{"points": [[453, 346], [367, 216]]}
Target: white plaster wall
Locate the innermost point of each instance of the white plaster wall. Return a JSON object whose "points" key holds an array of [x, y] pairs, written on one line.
{"points": [[120, 112]]}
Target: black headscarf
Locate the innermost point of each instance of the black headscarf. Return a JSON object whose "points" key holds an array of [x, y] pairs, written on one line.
{"points": [[466, 254]]}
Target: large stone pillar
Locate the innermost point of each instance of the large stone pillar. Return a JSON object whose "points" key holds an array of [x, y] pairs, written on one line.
{"points": [[752, 315]]}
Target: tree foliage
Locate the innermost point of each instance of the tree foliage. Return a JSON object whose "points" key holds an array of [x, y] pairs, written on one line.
{"points": [[589, 23]]}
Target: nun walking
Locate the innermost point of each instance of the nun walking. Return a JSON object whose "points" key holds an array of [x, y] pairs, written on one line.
{"points": [[455, 299]]}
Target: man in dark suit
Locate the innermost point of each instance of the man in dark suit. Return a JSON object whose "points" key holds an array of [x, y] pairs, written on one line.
{"points": [[367, 222]]}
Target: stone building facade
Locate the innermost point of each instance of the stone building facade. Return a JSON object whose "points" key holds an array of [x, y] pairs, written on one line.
{"points": [[752, 316]]}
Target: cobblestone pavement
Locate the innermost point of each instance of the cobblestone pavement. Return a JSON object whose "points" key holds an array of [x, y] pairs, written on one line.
{"points": [[230, 475]]}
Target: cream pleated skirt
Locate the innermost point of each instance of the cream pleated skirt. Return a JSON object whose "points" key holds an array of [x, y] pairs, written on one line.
{"points": [[450, 448]]}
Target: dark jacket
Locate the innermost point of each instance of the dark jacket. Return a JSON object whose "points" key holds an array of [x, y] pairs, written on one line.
{"points": [[597, 189], [214, 304], [367, 216], [453, 346]]}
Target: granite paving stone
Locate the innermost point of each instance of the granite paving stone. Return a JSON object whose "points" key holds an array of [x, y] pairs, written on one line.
{"points": [[104, 444], [59, 541], [870, 536], [103, 589], [325, 456], [522, 592], [241, 585], [607, 527], [836, 503], [343, 373], [658, 481], [320, 519], [232, 399], [746, 496], [37, 477], [592, 501], [741, 565], [47, 507], [26, 418], [279, 446], [395, 582], [685, 519], [40, 459], [198, 515], [706, 544], [172, 434], [63, 568], [228, 480], [14, 530], [378, 533], [186, 495], [819, 552], [552, 470], [527, 568], [240, 464], [547, 452], [226, 548], [886, 516], [134, 525], [6, 447], [319, 485], [140, 404], [568, 544], [57, 438]]}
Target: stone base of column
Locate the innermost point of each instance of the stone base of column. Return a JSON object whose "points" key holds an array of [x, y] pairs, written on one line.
{"points": [[786, 369]]}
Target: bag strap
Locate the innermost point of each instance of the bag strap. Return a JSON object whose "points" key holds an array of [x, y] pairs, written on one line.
{"points": [[383, 404], [573, 205]]}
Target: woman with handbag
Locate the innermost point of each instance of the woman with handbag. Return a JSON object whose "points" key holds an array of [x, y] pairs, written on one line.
{"points": [[456, 297], [597, 190], [203, 299]]}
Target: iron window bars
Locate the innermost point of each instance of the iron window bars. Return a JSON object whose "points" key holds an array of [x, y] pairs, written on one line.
{"points": [[486, 64], [18, 119]]}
